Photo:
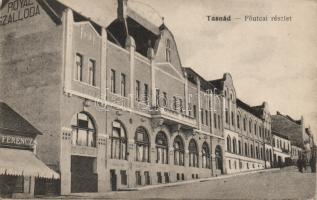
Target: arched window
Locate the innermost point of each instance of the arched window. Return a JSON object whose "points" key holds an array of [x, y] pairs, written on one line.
{"points": [[238, 121], [234, 145], [255, 129], [250, 126], [83, 130], [228, 143], [244, 124], [118, 141], [193, 153], [178, 151], [161, 148], [205, 156], [239, 147], [142, 145], [257, 152]]}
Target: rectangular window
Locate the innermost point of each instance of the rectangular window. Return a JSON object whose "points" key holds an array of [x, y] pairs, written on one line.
{"points": [[123, 85], [147, 178], [219, 122], [215, 120], [137, 90], [181, 105], [194, 111], [206, 115], [157, 97], [227, 116], [124, 177], [113, 81], [232, 118], [92, 72], [202, 117], [167, 178], [146, 93], [159, 177], [138, 178], [79, 67], [238, 121]]}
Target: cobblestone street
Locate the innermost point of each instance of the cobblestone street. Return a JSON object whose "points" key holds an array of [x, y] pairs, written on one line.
{"points": [[283, 184]]}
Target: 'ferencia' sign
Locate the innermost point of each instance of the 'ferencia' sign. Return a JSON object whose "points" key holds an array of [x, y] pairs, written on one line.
{"points": [[17, 141], [18, 10]]}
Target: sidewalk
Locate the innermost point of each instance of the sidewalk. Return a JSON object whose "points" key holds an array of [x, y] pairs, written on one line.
{"points": [[96, 195]]}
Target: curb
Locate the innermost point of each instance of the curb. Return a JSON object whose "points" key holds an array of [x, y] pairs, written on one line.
{"points": [[200, 180]]}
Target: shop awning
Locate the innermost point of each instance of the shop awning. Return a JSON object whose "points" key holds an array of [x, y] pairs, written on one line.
{"points": [[24, 163]]}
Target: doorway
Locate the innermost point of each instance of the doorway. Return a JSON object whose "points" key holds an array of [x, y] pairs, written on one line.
{"points": [[83, 174], [218, 158], [113, 180]]}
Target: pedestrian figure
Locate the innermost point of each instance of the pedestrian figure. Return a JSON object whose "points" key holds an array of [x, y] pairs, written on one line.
{"points": [[300, 164], [313, 164]]}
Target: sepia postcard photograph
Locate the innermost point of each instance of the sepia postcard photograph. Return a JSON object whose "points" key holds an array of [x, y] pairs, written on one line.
{"points": [[158, 99]]}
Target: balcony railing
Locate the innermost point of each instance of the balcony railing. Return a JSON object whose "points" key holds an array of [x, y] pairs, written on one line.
{"points": [[174, 115]]}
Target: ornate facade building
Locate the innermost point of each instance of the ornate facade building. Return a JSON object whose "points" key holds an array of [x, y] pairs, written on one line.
{"points": [[115, 105]]}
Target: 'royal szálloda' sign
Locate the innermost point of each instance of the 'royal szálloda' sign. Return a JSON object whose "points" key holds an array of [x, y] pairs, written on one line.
{"points": [[18, 10], [16, 141]]}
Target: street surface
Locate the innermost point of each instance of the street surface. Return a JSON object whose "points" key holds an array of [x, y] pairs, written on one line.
{"points": [[282, 184]]}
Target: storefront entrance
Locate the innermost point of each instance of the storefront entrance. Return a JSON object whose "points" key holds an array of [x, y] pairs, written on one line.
{"points": [[83, 174]]}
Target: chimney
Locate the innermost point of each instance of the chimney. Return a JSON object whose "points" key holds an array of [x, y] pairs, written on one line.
{"points": [[122, 9]]}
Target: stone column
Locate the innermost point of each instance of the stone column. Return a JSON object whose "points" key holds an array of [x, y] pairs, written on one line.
{"points": [[130, 44], [103, 183], [151, 56], [68, 48], [199, 103], [103, 65], [186, 95]]}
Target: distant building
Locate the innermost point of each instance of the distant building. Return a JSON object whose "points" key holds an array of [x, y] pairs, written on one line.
{"points": [[21, 173], [296, 152], [281, 150], [296, 132]]}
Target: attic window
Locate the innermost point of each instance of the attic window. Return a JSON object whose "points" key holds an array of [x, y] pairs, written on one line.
{"points": [[168, 50]]}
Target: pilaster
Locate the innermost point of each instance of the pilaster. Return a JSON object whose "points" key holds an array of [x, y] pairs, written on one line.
{"points": [[68, 48]]}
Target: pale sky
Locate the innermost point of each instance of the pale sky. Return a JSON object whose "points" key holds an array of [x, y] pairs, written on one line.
{"points": [[269, 61]]}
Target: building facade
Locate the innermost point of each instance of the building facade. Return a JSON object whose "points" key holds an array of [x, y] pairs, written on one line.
{"points": [[103, 99], [247, 130]]}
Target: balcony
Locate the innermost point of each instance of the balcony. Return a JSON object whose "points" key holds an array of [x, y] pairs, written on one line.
{"points": [[173, 117], [285, 150]]}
